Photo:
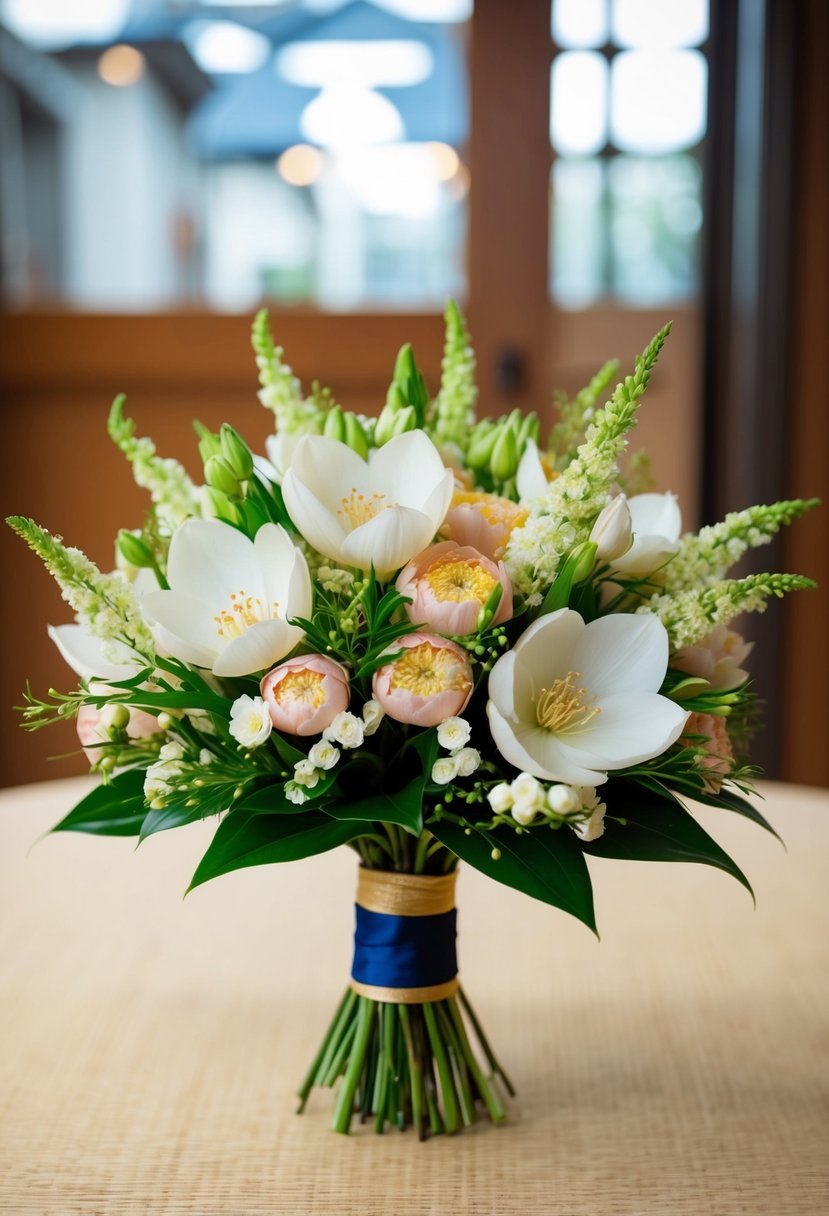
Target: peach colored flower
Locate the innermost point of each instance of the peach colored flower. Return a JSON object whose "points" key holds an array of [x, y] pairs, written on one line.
{"points": [[92, 725], [430, 682], [448, 585], [483, 521], [717, 757], [717, 658], [305, 694]]}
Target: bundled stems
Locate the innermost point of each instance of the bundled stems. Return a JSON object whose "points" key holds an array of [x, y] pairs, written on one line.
{"points": [[408, 1066]]}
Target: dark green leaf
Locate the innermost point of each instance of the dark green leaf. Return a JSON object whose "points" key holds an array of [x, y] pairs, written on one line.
{"points": [[212, 703], [658, 828], [288, 754], [271, 799], [114, 809], [730, 801], [546, 864], [403, 808], [244, 839]]}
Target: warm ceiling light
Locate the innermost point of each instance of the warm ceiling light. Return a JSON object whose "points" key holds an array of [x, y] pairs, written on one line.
{"points": [[121, 66], [300, 165], [446, 161]]}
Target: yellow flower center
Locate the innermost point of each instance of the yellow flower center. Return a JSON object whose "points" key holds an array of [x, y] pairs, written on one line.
{"points": [[244, 610], [357, 509], [458, 582], [427, 670], [563, 706], [305, 686], [495, 510]]}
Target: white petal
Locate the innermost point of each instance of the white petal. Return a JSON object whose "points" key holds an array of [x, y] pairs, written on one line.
{"points": [[388, 540], [329, 469], [622, 652], [184, 626], [209, 560], [284, 569], [407, 469], [544, 652], [259, 647], [630, 727], [501, 684], [646, 554], [85, 654], [656, 515], [438, 502], [530, 479], [317, 524], [534, 750]]}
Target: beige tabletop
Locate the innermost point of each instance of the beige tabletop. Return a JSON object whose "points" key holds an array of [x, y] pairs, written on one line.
{"points": [[149, 1047]]}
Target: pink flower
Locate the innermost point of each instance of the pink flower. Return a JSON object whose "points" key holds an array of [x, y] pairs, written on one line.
{"points": [[449, 584], [431, 682], [483, 521], [716, 758], [305, 694], [93, 725], [716, 658]]}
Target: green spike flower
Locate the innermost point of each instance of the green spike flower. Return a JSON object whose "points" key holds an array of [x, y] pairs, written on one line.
{"points": [[454, 410], [690, 615], [173, 494]]}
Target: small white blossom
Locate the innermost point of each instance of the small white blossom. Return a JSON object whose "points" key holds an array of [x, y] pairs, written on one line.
{"points": [[295, 793], [305, 773], [592, 827], [373, 715], [172, 750], [454, 734], [500, 798], [528, 798], [324, 754], [346, 729], [250, 722], [207, 757], [469, 761], [445, 770], [564, 799]]}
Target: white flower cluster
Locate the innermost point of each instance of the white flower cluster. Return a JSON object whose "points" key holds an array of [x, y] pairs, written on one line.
{"points": [[334, 580], [462, 761], [347, 731], [526, 798]]}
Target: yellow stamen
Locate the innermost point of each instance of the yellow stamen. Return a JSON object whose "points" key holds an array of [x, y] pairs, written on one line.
{"points": [[244, 610], [459, 582], [427, 670], [563, 707], [357, 509], [305, 686]]}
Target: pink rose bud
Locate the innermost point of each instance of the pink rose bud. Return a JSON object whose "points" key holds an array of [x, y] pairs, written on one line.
{"points": [[483, 521], [716, 757], [449, 585], [305, 694], [93, 726], [430, 682]]}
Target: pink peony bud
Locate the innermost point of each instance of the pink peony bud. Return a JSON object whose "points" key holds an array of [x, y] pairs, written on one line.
{"points": [[448, 585], [305, 694], [92, 725], [716, 658], [483, 521], [430, 682], [717, 758]]}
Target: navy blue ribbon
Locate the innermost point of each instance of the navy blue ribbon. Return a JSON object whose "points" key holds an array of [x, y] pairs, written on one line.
{"points": [[404, 951]]}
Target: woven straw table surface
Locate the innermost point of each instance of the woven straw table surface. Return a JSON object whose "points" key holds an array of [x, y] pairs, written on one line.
{"points": [[149, 1047]]}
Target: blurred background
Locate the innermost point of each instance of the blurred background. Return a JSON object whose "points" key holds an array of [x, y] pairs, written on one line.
{"points": [[574, 173]]}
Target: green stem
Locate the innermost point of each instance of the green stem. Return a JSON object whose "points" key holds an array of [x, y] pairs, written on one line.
{"points": [[447, 1082], [345, 1100], [494, 1105], [461, 1070], [335, 1038], [422, 848], [310, 1078], [484, 1042], [338, 1062]]}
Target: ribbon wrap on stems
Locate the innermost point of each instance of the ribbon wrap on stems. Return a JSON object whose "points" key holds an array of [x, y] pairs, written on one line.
{"points": [[404, 941]]}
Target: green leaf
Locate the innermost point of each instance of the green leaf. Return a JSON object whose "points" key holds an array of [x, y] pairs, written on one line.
{"points": [[288, 754], [729, 801], [212, 703], [245, 838], [114, 809], [403, 808], [657, 827], [546, 864], [272, 800]]}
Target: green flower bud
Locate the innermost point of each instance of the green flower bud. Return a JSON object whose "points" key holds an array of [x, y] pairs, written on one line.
{"points": [[530, 429], [584, 559], [395, 398], [236, 452], [482, 446], [404, 365], [385, 423], [209, 444], [504, 460], [334, 427], [220, 476], [220, 506], [489, 608], [115, 717], [405, 420], [355, 436], [134, 549]]}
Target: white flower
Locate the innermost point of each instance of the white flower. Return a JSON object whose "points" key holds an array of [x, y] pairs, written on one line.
{"points": [[381, 511], [454, 733], [530, 480], [571, 701], [250, 722], [280, 448], [323, 754], [346, 729], [657, 525], [306, 773], [445, 770], [295, 793], [500, 798], [613, 530], [592, 827], [563, 799], [171, 751], [469, 761], [527, 798], [230, 598], [373, 715]]}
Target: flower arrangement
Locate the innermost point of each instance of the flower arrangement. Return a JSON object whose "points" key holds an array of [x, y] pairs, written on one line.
{"points": [[430, 638]]}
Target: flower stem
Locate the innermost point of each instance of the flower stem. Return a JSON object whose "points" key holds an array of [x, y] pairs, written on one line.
{"points": [[447, 1084], [345, 1101]]}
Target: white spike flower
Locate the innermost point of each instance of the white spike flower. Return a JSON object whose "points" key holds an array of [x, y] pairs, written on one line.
{"points": [[230, 598], [380, 511], [572, 701]]}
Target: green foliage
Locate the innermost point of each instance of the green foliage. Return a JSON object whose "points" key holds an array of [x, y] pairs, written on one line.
{"points": [[115, 808]]}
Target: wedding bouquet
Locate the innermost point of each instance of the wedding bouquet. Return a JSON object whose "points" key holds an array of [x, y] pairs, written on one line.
{"points": [[431, 638]]}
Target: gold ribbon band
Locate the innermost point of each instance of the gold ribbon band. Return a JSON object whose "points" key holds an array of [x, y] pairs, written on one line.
{"points": [[405, 894], [407, 996]]}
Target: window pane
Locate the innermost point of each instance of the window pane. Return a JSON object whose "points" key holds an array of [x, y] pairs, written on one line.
{"points": [[578, 105], [580, 23], [658, 100], [578, 227], [656, 217], [659, 23]]}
